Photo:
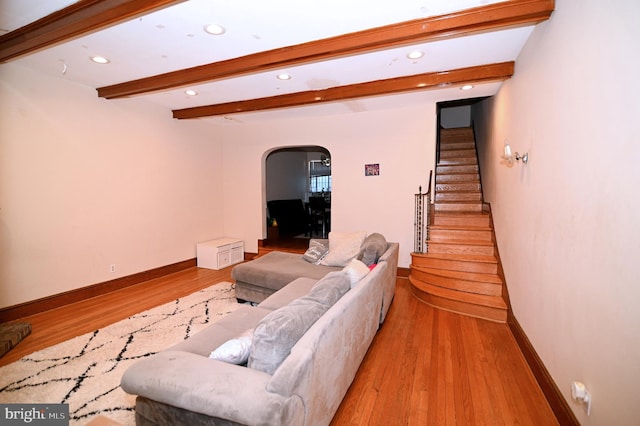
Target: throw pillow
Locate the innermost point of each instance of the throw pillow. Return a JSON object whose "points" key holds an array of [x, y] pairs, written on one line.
{"points": [[357, 271], [330, 288], [279, 331], [372, 248], [316, 252], [236, 350], [343, 246]]}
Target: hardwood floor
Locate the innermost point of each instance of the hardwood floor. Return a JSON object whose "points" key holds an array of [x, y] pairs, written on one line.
{"points": [[432, 367], [57, 325], [425, 366]]}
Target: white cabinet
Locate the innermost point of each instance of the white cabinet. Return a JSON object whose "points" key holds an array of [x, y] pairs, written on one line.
{"points": [[220, 253]]}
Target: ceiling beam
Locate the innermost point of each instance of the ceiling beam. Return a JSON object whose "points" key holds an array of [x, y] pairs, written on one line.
{"points": [[434, 80], [80, 18], [485, 18]]}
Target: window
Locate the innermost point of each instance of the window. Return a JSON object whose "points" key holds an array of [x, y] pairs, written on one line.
{"points": [[319, 176], [320, 184]]}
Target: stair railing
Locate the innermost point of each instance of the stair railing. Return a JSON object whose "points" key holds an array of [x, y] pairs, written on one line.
{"points": [[422, 219]]}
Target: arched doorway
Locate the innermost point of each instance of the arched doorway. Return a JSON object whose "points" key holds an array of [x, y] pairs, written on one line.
{"points": [[298, 194]]}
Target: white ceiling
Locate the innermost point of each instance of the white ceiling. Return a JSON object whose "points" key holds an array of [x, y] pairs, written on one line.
{"points": [[173, 39]]}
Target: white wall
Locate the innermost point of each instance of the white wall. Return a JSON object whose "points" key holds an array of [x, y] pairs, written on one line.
{"points": [[86, 183], [401, 141], [567, 223]]}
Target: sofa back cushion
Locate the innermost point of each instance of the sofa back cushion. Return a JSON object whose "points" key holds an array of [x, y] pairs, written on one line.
{"points": [[343, 246], [279, 331]]}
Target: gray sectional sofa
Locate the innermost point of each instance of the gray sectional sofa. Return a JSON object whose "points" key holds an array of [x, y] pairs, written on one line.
{"points": [[307, 342]]}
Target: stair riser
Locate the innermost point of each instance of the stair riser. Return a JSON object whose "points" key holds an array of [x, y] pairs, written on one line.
{"points": [[455, 265], [458, 153], [440, 247], [459, 234], [455, 138], [458, 177], [474, 220], [474, 287], [461, 144], [464, 186], [459, 196], [458, 160], [466, 168], [458, 207], [484, 312], [452, 147]]}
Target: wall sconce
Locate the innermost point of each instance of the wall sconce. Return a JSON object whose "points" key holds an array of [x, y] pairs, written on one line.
{"points": [[509, 156]]}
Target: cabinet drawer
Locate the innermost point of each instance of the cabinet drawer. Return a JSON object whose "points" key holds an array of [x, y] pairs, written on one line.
{"points": [[224, 258]]}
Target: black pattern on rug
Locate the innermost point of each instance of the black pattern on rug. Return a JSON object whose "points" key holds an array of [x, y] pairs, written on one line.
{"points": [[85, 372]]}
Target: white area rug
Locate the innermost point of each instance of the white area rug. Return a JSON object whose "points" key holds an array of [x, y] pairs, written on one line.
{"points": [[85, 372]]}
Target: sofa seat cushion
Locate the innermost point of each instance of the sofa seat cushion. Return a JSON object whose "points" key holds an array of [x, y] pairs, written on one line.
{"points": [[276, 269], [292, 291], [278, 332], [222, 330]]}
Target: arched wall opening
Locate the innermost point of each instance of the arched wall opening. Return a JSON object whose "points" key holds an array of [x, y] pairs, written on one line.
{"points": [[296, 184]]}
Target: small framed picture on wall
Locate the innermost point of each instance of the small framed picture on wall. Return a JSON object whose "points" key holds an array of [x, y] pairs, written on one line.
{"points": [[372, 169]]}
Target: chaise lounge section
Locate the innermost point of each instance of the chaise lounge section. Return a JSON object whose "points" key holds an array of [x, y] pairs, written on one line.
{"points": [[258, 279]]}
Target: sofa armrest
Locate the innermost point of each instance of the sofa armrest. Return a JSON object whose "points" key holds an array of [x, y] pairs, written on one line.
{"points": [[209, 387]]}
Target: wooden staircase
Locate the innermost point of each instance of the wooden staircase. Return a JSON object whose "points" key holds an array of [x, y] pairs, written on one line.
{"points": [[460, 271]]}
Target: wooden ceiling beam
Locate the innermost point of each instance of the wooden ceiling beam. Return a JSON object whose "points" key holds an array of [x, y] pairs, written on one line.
{"points": [[485, 18], [434, 80], [80, 18]]}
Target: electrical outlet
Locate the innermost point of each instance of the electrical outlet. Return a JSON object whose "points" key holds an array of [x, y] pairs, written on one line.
{"points": [[112, 268], [581, 395]]}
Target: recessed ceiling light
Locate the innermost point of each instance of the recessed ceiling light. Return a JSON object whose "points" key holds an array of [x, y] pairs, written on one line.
{"points": [[214, 29], [416, 54], [284, 76], [191, 92], [100, 60], [466, 87]]}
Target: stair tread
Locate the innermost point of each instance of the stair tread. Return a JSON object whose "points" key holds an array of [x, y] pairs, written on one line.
{"points": [[461, 275], [462, 241], [458, 186], [459, 215], [450, 146], [457, 161], [459, 257], [496, 302], [460, 228]]}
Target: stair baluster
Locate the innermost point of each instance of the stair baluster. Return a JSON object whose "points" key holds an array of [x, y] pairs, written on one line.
{"points": [[422, 218]]}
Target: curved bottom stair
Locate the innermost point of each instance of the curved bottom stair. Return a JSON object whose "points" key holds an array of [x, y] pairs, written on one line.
{"points": [[466, 284]]}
